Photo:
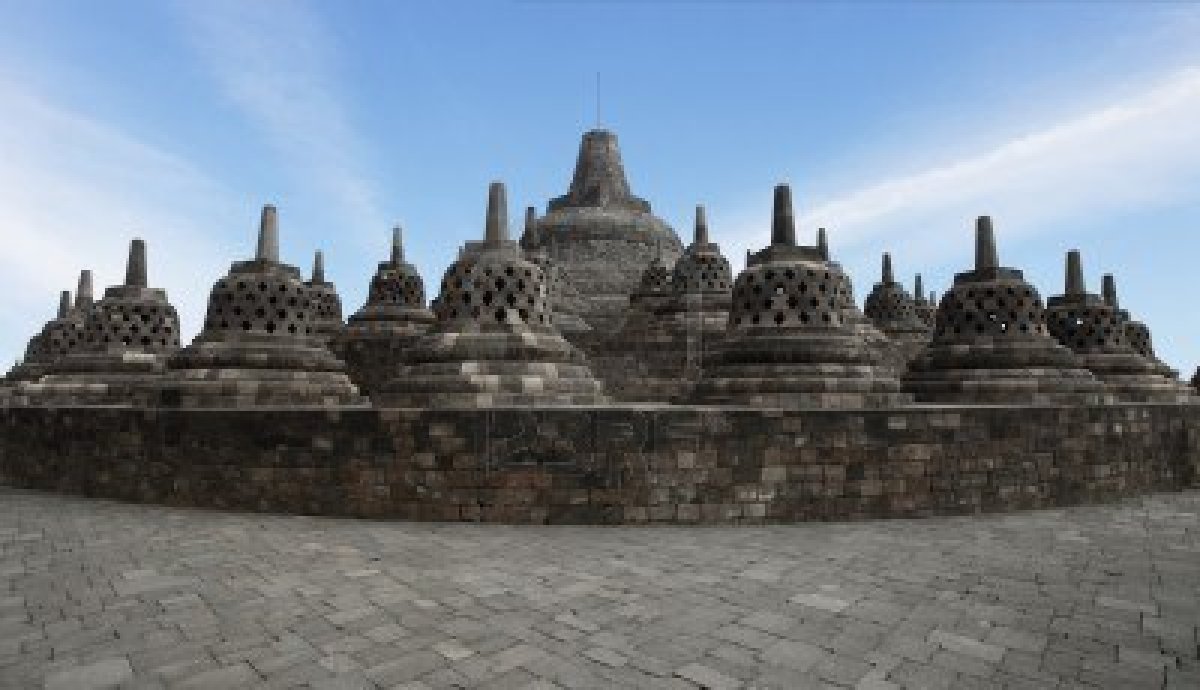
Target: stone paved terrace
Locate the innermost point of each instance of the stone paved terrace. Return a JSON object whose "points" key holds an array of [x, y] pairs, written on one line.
{"points": [[103, 594]]}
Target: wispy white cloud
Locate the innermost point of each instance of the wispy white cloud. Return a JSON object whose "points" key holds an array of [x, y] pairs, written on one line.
{"points": [[278, 64], [73, 191], [1141, 150]]}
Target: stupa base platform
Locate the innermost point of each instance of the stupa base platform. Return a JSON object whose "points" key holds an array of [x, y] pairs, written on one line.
{"points": [[242, 388], [493, 383]]}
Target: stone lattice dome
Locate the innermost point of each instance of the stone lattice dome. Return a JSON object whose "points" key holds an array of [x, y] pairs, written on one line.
{"points": [[788, 342], [894, 312], [991, 342], [324, 295], [494, 342], [261, 343], [702, 269], [38, 354]]}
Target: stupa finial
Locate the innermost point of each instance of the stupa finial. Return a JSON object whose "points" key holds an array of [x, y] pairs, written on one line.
{"points": [[83, 294], [701, 234], [823, 243], [933, 297], [135, 267], [888, 276], [530, 220], [1110, 291], [268, 235], [783, 222], [397, 245], [64, 304], [1074, 281], [497, 214], [318, 272], [919, 288], [985, 245]]}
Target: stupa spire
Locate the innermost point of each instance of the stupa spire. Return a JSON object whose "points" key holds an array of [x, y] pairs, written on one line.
{"points": [[783, 222], [701, 233], [985, 245], [64, 304], [497, 214], [268, 235], [135, 267], [823, 243], [599, 177], [888, 277], [83, 294], [318, 272], [397, 246], [1110, 291], [1074, 282], [919, 289]]}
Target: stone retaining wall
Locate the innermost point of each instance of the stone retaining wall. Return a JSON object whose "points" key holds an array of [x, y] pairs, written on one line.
{"points": [[627, 464]]}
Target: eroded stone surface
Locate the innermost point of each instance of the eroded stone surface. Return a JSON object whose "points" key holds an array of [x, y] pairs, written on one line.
{"points": [[1091, 597]]}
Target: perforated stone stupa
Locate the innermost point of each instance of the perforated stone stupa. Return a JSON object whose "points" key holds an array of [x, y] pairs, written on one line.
{"points": [[260, 344], [924, 306], [39, 356], [788, 343], [674, 320], [324, 295], [1094, 330], [127, 337], [1136, 332], [893, 311], [991, 343], [376, 336], [494, 343], [566, 303], [600, 234]]}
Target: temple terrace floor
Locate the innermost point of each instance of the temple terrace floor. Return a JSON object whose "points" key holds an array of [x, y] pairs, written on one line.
{"points": [[103, 594]]}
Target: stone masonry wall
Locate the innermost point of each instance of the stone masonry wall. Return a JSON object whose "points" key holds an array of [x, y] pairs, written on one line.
{"points": [[627, 464]]}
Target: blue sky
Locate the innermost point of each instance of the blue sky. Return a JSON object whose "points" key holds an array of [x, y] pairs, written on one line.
{"points": [[1075, 125]]}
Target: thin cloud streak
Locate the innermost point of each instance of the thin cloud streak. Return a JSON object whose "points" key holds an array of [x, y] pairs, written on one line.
{"points": [[275, 62], [74, 191]]}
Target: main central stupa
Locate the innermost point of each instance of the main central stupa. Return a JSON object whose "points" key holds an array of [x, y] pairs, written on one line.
{"points": [[600, 234]]}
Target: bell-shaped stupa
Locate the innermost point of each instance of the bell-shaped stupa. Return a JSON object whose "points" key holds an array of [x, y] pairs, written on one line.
{"points": [[788, 343], [1094, 329], [260, 344], [325, 297], [991, 344], [601, 235], [674, 321], [893, 311], [38, 355], [1136, 332], [566, 303], [128, 335], [494, 342], [924, 305], [394, 316]]}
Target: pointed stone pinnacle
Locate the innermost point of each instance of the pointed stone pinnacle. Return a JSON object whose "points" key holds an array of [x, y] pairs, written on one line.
{"points": [[888, 276], [933, 297], [823, 243], [701, 235], [497, 214], [268, 235], [783, 222], [64, 303], [135, 268], [1110, 291], [985, 245], [397, 246], [530, 220], [1074, 281], [318, 274], [919, 288], [83, 294]]}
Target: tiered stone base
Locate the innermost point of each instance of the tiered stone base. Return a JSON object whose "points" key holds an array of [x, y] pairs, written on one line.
{"points": [[1133, 378], [798, 370], [658, 358], [1003, 371], [493, 368], [373, 350], [256, 372], [132, 379]]}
